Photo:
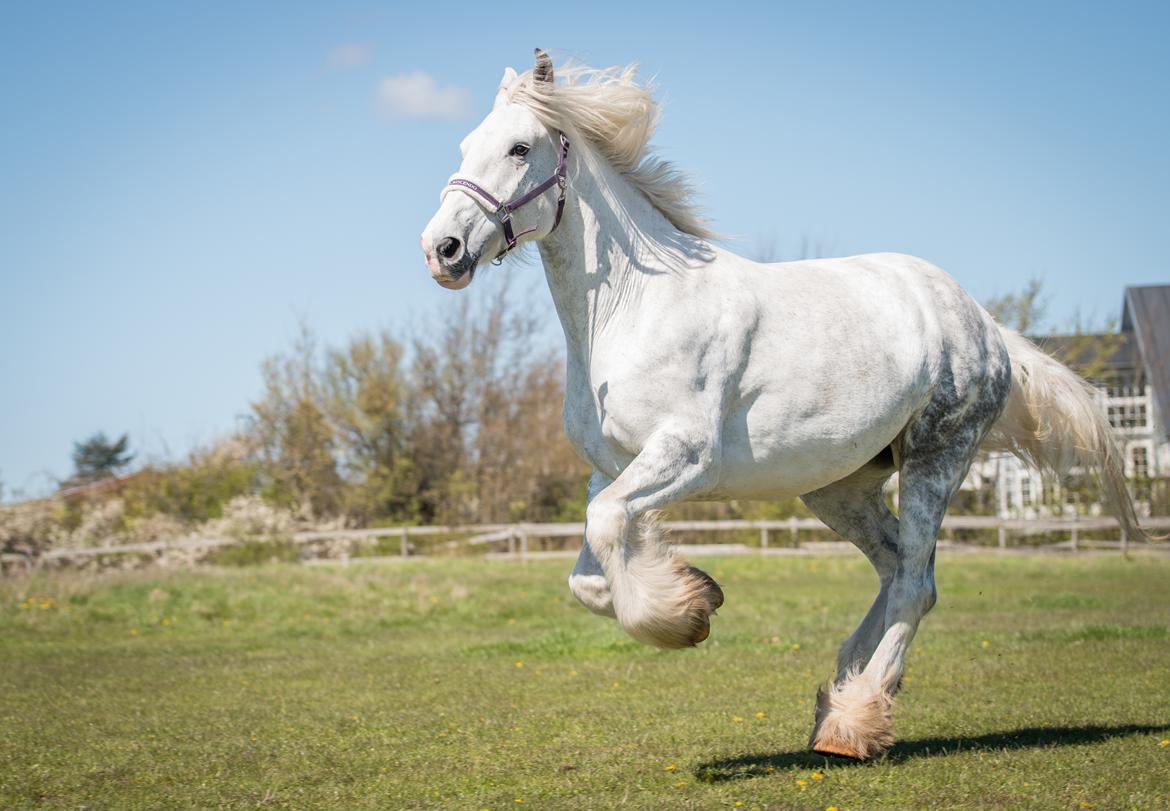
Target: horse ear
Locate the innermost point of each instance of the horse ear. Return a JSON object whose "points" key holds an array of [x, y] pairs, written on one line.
{"points": [[542, 74], [505, 82]]}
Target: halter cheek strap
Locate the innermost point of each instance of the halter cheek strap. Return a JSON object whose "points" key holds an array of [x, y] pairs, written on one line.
{"points": [[504, 211]]}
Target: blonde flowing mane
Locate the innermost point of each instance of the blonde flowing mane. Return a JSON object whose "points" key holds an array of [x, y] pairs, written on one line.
{"points": [[617, 117]]}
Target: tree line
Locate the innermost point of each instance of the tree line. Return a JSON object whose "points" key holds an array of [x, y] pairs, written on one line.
{"points": [[457, 424]]}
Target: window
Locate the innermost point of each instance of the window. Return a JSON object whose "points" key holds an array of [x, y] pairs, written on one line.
{"points": [[1127, 415], [1140, 456], [1026, 490]]}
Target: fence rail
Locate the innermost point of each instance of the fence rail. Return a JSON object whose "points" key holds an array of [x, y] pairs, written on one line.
{"points": [[515, 540]]}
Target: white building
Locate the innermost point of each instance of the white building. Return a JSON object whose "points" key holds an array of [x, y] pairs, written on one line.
{"points": [[1133, 383]]}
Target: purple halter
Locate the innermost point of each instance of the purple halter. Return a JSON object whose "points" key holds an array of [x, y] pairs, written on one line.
{"points": [[504, 211]]}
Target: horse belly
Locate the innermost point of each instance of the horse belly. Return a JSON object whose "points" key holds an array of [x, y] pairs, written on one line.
{"points": [[769, 453]]}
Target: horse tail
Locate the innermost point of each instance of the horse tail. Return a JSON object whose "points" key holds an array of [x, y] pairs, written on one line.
{"points": [[1053, 422]]}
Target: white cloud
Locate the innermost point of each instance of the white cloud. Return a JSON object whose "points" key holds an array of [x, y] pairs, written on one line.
{"points": [[350, 55], [418, 95]]}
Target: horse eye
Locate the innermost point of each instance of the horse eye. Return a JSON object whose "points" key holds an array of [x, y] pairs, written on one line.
{"points": [[519, 150]]}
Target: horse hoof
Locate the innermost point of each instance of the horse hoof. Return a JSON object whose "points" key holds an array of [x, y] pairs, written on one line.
{"points": [[683, 621], [852, 720], [836, 749], [714, 592]]}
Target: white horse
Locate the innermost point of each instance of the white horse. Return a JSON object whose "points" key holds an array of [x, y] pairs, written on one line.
{"points": [[694, 373]]}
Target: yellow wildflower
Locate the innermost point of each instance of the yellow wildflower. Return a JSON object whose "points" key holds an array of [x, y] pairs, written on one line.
{"points": [[796, 646], [817, 776], [670, 768], [1164, 742], [802, 782], [985, 644], [761, 714], [680, 784], [519, 664], [737, 718]]}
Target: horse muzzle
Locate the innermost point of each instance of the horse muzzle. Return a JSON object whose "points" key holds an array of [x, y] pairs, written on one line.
{"points": [[449, 262]]}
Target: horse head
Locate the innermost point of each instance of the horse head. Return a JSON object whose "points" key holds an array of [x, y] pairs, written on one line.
{"points": [[510, 185]]}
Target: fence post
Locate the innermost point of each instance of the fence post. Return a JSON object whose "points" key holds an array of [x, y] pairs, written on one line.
{"points": [[404, 543], [523, 545], [792, 530], [1075, 535], [1002, 536], [1124, 543], [511, 542], [763, 537]]}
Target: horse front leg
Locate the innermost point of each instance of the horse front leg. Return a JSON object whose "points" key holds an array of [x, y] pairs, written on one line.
{"points": [[657, 598], [587, 580]]}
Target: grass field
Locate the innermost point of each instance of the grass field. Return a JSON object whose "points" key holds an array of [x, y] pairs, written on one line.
{"points": [[1037, 682]]}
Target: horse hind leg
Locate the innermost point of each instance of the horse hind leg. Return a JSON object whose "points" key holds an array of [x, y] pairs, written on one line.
{"points": [[855, 508], [853, 716]]}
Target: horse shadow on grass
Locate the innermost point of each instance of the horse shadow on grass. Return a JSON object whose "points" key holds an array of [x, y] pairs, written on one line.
{"points": [[746, 767]]}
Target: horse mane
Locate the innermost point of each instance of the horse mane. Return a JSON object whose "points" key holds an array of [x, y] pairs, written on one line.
{"points": [[616, 116]]}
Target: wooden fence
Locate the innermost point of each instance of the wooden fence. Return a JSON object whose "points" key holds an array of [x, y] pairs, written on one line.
{"points": [[516, 541]]}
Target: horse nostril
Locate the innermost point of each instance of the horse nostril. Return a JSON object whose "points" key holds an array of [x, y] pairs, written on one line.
{"points": [[448, 247]]}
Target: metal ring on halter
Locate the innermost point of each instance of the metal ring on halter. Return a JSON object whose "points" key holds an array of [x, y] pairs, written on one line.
{"points": [[504, 211]]}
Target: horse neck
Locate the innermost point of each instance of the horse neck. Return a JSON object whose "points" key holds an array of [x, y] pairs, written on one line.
{"points": [[610, 244]]}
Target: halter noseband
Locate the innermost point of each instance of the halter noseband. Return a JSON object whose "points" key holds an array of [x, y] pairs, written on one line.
{"points": [[504, 211]]}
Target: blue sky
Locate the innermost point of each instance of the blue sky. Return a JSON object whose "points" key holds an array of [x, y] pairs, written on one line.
{"points": [[182, 184]]}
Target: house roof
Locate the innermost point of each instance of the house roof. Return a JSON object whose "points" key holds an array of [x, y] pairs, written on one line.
{"points": [[1146, 314], [1144, 341]]}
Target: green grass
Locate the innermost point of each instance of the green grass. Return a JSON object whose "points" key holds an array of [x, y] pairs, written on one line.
{"points": [[472, 684]]}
